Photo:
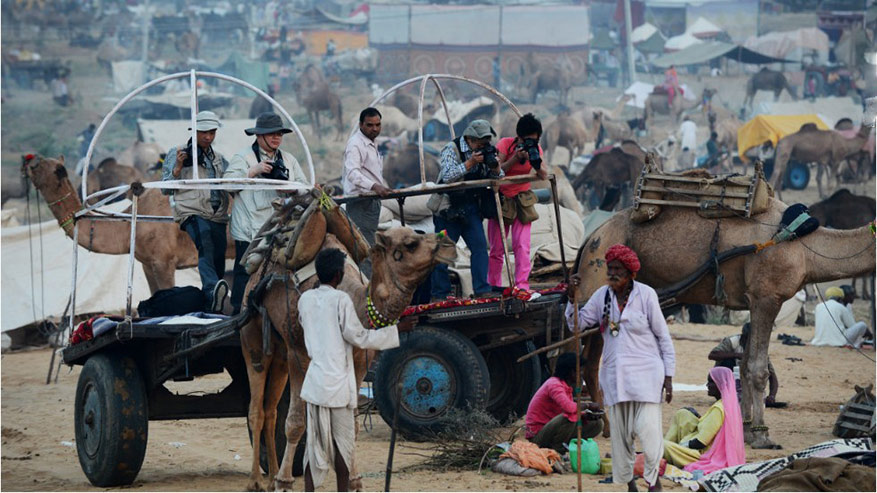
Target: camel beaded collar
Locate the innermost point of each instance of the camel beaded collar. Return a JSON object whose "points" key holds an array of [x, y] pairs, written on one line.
{"points": [[376, 319]]}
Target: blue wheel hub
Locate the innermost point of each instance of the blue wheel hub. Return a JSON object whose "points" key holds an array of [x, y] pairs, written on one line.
{"points": [[798, 177], [428, 387]]}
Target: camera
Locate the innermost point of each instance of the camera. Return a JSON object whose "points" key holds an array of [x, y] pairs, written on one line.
{"points": [[202, 157], [489, 153], [532, 148], [278, 171]]}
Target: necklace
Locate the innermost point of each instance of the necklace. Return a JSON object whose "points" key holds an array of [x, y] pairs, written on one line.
{"points": [[622, 303]]}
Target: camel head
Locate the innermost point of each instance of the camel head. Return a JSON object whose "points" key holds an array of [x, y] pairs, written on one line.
{"points": [[402, 259], [46, 173]]}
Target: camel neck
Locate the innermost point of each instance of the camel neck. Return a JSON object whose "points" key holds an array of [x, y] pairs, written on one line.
{"points": [[833, 254]]}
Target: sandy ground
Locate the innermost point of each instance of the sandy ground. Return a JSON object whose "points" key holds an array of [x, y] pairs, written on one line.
{"points": [[37, 425]]}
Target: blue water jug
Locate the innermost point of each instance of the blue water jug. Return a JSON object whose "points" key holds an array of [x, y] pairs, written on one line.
{"points": [[588, 455]]}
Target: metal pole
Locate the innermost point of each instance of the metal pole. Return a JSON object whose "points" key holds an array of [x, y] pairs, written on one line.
{"points": [[505, 242], [389, 473], [578, 388], [628, 28], [130, 292], [193, 110], [147, 20], [553, 181]]}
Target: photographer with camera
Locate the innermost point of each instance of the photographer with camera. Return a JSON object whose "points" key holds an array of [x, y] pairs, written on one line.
{"points": [[466, 158], [202, 214], [519, 155], [263, 159]]}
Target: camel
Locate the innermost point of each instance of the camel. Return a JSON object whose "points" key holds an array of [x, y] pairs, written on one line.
{"points": [[145, 156], [161, 247], [407, 104], [825, 147], [612, 130], [317, 99], [657, 103], [394, 121], [401, 260], [550, 77], [402, 166], [567, 132], [676, 242], [767, 80], [608, 169], [109, 173]]}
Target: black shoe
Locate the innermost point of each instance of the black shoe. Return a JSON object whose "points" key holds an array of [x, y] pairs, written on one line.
{"points": [[220, 291]]}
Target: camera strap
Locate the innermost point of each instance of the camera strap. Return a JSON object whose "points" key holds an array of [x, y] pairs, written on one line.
{"points": [[278, 155]]}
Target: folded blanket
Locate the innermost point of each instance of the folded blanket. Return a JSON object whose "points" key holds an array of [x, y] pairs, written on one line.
{"points": [[528, 454]]}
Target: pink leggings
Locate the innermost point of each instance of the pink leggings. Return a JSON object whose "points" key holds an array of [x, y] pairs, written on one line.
{"points": [[520, 246]]}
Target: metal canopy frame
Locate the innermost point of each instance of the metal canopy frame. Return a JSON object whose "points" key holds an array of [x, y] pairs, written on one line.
{"points": [[95, 212]]}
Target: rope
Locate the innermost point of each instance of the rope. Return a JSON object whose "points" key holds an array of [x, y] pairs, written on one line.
{"points": [[837, 326]]}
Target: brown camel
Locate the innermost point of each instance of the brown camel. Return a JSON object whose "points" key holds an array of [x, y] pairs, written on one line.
{"points": [[548, 77], [608, 169], [657, 103], [613, 131], [676, 242], [407, 103], [401, 260], [402, 166], [109, 173], [161, 247], [767, 80], [317, 99], [810, 145]]}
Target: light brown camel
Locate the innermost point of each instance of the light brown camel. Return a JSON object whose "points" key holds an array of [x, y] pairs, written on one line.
{"points": [[568, 132], [401, 260], [548, 77], [613, 131], [162, 247], [809, 145], [394, 121], [767, 80], [676, 242], [317, 99], [657, 103], [145, 156]]}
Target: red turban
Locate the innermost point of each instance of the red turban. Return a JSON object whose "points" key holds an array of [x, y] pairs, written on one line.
{"points": [[624, 255]]}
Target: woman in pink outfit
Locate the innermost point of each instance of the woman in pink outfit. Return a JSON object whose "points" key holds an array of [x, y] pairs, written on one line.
{"points": [[517, 156], [727, 447]]}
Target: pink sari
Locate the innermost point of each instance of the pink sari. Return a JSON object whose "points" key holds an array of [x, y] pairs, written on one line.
{"points": [[727, 448]]}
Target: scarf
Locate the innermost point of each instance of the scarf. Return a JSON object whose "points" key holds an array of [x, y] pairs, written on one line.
{"points": [[727, 448]]}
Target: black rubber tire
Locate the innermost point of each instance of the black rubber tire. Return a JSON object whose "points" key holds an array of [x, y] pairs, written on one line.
{"points": [[280, 439], [512, 384], [111, 420], [797, 176], [444, 370]]}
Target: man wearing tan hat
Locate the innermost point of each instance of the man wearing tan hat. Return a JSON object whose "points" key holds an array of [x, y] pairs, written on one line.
{"points": [[262, 159], [835, 324], [470, 157], [202, 214]]}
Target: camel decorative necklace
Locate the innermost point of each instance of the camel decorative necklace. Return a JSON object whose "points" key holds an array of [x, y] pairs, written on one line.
{"points": [[376, 319]]}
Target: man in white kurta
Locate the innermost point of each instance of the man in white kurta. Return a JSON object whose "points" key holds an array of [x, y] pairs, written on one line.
{"points": [[638, 362], [331, 330]]}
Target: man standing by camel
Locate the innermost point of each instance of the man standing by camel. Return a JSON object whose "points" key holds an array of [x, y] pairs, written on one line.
{"points": [[263, 159], [203, 214], [364, 173], [638, 362]]}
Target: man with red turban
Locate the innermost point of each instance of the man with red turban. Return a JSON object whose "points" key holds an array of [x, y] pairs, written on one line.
{"points": [[638, 363]]}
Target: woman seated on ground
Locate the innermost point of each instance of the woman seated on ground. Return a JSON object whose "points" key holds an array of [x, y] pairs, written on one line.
{"points": [[720, 429]]}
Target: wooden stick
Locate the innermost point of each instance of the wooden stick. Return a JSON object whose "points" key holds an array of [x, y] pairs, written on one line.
{"points": [[560, 343]]}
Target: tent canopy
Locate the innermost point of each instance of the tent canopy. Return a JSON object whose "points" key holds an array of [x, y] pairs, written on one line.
{"points": [[681, 42], [772, 127], [654, 44], [786, 44], [703, 28], [642, 33], [704, 52]]}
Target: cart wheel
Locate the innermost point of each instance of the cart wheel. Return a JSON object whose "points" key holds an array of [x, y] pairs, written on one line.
{"points": [[512, 384], [111, 420], [439, 370], [280, 439], [797, 175]]}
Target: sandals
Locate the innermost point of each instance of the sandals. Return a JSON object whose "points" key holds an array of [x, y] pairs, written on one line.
{"points": [[790, 340]]}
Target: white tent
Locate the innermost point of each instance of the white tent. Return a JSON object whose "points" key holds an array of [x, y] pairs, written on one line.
{"points": [[680, 42], [702, 28], [640, 91], [830, 109], [102, 279], [642, 33]]}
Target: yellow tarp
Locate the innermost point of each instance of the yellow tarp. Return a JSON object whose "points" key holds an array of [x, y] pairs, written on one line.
{"points": [[772, 128]]}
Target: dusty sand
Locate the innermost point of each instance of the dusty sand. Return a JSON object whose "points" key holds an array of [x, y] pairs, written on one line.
{"points": [[37, 418]]}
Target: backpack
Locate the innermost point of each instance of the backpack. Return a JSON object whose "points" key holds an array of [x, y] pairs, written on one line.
{"points": [[178, 300]]}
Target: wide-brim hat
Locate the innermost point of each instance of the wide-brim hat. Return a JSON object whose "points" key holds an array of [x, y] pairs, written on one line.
{"points": [[479, 129], [205, 121], [268, 123]]}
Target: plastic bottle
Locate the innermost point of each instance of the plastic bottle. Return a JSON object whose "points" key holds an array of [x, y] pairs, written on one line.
{"points": [[590, 456]]}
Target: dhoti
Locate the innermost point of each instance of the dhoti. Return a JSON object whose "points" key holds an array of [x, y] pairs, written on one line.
{"points": [[328, 427], [628, 420]]}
